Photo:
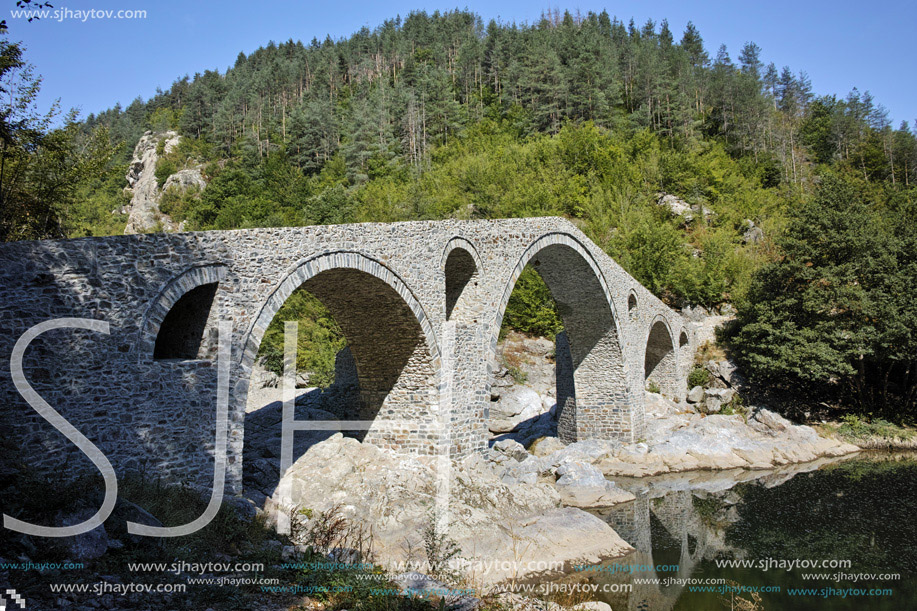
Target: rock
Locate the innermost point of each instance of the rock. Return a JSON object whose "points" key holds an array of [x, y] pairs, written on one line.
{"points": [[511, 448], [89, 545], [704, 211], [753, 234], [592, 606], [519, 401], [696, 394], [262, 378], [583, 485], [243, 507], [125, 511], [516, 405], [184, 180], [393, 493], [729, 373], [695, 314], [543, 446], [716, 398], [143, 212], [676, 206], [771, 421]]}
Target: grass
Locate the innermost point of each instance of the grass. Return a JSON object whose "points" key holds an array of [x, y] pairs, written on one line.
{"points": [[736, 407], [709, 351], [229, 538], [873, 432]]}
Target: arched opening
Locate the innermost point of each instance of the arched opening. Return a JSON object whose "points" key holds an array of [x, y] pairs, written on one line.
{"points": [[683, 340], [461, 272], [385, 378], [590, 384], [181, 334], [659, 364], [632, 304]]}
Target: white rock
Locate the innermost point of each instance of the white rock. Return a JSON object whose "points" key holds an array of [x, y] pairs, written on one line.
{"points": [[583, 485], [511, 448], [546, 445], [716, 398]]}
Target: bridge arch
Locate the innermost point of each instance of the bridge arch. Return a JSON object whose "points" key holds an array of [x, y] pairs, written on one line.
{"points": [[592, 388], [389, 336], [462, 268], [660, 361], [182, 308]]}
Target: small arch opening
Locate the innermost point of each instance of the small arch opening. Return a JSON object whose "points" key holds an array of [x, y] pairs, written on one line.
{"points": [[632, 303], [659, 362], [461, 277], [683, 340], [181, 334]]}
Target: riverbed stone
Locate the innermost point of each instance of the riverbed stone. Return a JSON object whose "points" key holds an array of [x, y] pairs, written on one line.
{"points": [[583, 485], [696, 394]]}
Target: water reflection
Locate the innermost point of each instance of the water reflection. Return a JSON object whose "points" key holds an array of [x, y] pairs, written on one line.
{"points": [[859, 508]]}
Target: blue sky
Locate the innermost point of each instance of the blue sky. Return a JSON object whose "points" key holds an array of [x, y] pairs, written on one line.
{"points": [[90, 65]]}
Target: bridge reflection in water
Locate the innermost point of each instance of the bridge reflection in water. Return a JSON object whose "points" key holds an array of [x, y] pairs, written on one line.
{"points": [[678, 525]]}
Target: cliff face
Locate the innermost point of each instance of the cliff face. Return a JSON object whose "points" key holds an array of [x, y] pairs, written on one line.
{"points": [[143, 211]]}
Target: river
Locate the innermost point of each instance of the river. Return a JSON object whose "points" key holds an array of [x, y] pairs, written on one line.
{"points": [[828, 535]]}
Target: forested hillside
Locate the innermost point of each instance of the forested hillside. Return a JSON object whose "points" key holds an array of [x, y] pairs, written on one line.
{"points": [[442, 115]]}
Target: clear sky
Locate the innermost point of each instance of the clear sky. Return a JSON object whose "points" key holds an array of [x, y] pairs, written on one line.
{"points": [[92, 64]]}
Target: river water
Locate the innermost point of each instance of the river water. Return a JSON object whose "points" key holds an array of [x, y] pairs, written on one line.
{"points": [[828, 535]]}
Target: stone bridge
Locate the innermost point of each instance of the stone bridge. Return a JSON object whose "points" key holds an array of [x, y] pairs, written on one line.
{"points": [[420, 304]]}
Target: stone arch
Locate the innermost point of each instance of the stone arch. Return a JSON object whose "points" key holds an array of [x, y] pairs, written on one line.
{"points": [[660, 361], [196, 288], [390, 339], [592, 389], [462, 268]]}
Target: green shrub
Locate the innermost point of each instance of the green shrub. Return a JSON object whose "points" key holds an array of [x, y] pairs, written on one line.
{"points": [[165, 167], [699, 376]]}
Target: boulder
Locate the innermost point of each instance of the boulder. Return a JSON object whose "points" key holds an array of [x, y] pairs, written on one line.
{"points": [[583, 485], [486, 517], [543, 446], [511, 448], [676, 206], [185, 179], [125, 511], [515, 406], [753, 234], [696, 394], [716, 398], [89, 545]]}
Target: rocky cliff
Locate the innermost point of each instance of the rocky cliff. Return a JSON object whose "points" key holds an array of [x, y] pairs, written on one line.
{"points": [[143, 211]]}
